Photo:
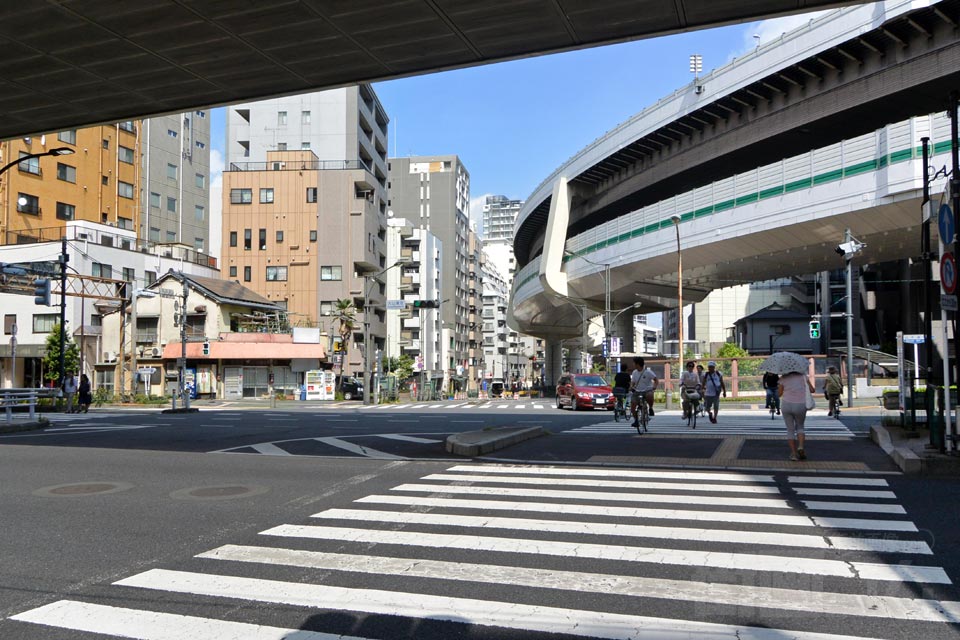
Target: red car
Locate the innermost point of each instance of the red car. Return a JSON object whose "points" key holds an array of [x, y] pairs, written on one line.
{"points": [[584, 391]]}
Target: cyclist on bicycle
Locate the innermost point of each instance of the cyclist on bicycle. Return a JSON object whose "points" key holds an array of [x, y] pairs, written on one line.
{"points": [[771, 383], [621, 385], [689, 389], [642, 383]]}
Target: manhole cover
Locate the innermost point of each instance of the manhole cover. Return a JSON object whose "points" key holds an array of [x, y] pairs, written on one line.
{"points": [[221, 492], [82, 489]]}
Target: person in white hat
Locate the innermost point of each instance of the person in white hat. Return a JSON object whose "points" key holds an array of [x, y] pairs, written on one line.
{"points": [[713, 386]]}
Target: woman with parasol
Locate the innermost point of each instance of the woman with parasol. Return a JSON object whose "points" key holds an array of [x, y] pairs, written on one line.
{"points": [[795, 391]]}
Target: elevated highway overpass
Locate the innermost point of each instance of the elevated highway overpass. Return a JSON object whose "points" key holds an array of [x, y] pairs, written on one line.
{"points": [[766, 164]]}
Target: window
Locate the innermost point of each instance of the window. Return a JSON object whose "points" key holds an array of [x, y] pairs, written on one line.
{"points": [[201, 114], [281, 118], [125, 154], [127, 125], [171, 236], [150, 277], [171, 204], [125, 223], [171, 133], [199, 213], [311, 194], [201, 181], [9, 321], [65, 211], [326, 308], [27, 203], [266, 196], [313, 236], [281, 146], [124, 189], [247, 274], [276, 274], [305, 146], [106, 143], [103, 379], [331, 273], [66, 173], [247, 239], [105, 180], [241, 196], [201, 145], [198, 244], [30, 165], [279, 237], [233, 272], [155, 200], [304, 117], [69, 136], [129, 274], [233, 238], [171, 171], [263, 239], [102, 270], [154, 234], [45, 322]]}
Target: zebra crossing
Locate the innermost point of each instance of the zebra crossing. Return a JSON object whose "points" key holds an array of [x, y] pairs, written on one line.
{"points": [[729, 423], [594, 553], [462, 405]]}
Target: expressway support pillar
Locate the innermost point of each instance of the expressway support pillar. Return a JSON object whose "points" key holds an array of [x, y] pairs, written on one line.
{"points": [[553, 363], [623, 329]]}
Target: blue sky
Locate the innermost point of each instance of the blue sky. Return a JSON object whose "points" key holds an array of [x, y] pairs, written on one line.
{"points": [[513, 123]]}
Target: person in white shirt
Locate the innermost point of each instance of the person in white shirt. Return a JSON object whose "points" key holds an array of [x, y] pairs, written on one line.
{"points": [[642, 383], [713, 386], [69, 390], [689, 383]]}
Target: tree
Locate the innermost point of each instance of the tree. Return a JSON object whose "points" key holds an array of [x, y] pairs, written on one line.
{"points": [[345, 314], [51, 359], [745, 365], [402, 367]]}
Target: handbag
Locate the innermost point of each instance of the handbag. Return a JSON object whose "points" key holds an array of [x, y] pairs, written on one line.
{"points": [[810, 402]]}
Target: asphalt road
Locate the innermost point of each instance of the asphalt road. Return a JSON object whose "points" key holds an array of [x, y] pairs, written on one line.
{"points": [[105, 517]]}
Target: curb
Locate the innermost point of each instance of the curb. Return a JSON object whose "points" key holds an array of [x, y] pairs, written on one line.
{"points": [[475, 443], [181, 410], [24, 426], [908, 461]]}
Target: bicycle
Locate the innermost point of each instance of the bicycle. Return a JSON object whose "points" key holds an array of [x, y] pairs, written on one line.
{"points": [[621, 408], [643, 417], [693, 398]]}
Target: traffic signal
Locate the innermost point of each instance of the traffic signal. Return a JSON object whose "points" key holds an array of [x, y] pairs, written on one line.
{"points": [[814, 329], [425, 304], [206, 348], [41, 291]]}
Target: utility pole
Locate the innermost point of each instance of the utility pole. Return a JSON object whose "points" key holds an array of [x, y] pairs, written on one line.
{"points": [[183, 345], [955, 197], [848, 239], [927, 257], [64, 259]]}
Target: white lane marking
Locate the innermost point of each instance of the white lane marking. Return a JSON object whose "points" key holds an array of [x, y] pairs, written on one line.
{"points": [[863, 482], [612, 473], [503, 406], [269, 449], [803, 541], [603, 496], [402, 406], [654, 514], [621, 484], [538, 406], [645, 555], [590, 624], [818, 602], [153, 625], [354, 448], [341, 420], [469, 406], [845, 493], [860, 507], [397, 436], [434, 406], [454, 406]]}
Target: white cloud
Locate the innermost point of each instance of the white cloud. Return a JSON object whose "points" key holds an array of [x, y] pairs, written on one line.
{"points": [[771, 29], [476, 211]]}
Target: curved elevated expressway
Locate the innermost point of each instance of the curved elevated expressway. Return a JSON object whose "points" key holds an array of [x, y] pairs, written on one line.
{"points": [[766, 164]]}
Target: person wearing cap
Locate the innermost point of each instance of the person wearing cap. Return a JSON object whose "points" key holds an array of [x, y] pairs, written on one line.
{"points": [[832, 389], [713, 386]]}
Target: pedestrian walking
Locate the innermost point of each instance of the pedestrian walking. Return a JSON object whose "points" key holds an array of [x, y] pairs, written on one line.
{"points": [[771, 384], [69, 390], [84, 394], [713, 387], [832, 390], [793, 389]]}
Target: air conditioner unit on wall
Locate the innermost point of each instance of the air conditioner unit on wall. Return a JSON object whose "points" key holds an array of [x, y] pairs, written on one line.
{"points": [[109, 356], [155, 352]]}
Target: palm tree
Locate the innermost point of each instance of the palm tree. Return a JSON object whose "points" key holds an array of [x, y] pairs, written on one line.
{"points": [[345, 315]]}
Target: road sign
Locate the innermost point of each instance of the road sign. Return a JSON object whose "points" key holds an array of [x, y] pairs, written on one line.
{"points": [[614, 347], [914, 338], [946, 224], [147, 371], [948, 303], [948, 273], [168, 293], [396, 305]]}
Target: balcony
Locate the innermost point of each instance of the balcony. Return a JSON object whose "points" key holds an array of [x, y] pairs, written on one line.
{"points": [[411, 256], [410, 345], [411, 323], [147, 336], [406, 284]]}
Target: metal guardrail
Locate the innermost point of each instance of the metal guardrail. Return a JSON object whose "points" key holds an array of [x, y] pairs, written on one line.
{"points": [[11, 399]]}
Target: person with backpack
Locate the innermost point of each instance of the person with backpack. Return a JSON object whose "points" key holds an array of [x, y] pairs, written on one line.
{"points": [[832, 390], [713, 386]]}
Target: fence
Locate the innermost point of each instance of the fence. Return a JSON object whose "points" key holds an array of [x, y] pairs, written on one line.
{"points": [[22, 402]]}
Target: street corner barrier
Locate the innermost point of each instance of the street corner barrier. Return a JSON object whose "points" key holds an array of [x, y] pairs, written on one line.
{"points": [[475, 443], [908, 461], [17, 427]]}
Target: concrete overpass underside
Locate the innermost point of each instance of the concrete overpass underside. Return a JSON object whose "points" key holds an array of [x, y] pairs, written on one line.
{"points": [[72, 63]]}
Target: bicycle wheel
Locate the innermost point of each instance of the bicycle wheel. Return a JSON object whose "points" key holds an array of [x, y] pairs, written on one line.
{"points": [[692, 418], [644, 417], [616, 412]]}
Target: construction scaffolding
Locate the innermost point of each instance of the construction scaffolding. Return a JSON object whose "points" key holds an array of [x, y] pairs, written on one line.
{"points": [[261, 322]]}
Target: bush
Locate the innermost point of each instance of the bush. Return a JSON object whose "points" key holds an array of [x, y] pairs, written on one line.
{"points": [[102, 396]]}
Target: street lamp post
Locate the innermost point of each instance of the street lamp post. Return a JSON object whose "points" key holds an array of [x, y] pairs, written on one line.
{"points": [[676, 224], [59, 151], [850, 247]]}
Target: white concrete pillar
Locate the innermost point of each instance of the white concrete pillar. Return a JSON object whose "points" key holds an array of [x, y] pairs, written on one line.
{"points": [[623, 329], [553, 365], [574, 360]]}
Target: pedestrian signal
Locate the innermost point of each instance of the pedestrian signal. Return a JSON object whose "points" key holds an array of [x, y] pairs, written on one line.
{"points": [[814, 329]]}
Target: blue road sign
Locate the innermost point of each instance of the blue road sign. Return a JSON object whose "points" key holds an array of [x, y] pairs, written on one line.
{"points": [[946, 224]]}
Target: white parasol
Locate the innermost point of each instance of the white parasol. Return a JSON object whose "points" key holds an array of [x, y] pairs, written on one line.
{"points": [[786, 362]]}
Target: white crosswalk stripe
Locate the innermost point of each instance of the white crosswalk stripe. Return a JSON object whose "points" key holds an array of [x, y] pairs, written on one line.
{"points": [[729, 423], [739, 546]]}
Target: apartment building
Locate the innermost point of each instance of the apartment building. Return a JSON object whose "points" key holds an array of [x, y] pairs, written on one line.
{"points": [[499, 214], [98, 181], [475, 355], [304, 206], [175, 198], [433, 192], [496, 292]]}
